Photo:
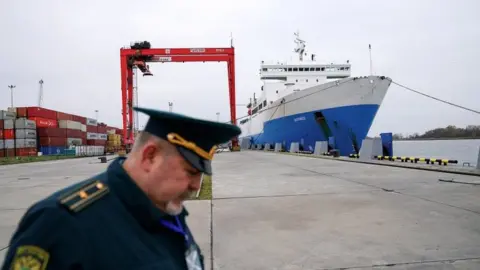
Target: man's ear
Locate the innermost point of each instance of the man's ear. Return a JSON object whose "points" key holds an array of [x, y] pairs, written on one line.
{"points": [[148, 155]]}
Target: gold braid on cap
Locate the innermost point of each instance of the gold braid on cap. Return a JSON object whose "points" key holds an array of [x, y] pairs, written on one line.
{"points": [[178, 140]]}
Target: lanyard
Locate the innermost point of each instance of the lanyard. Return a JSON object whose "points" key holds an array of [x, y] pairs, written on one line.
{"points": [[178, 228]]}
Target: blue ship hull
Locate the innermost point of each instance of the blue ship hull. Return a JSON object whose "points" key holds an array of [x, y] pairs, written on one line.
{"points": [[343, 127]]}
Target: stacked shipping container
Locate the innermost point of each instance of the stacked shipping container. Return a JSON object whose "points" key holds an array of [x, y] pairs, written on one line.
{"points": [[24, 131]]}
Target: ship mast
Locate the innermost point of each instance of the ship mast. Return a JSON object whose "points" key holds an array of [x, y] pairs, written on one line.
{"points": [[300, 49]]}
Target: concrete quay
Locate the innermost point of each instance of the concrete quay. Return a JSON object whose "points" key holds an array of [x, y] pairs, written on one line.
{"points": [[274, 211]]}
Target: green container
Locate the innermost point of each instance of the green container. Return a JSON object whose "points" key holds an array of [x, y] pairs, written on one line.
{"points": [[70, 152]]}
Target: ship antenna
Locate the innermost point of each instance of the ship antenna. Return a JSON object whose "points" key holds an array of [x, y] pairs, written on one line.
{"points": [[300, 49]]}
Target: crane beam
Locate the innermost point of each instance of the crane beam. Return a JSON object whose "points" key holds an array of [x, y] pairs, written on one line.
{"points": [[140, 56]]}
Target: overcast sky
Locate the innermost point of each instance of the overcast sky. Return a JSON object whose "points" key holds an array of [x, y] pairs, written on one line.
{"points": [[432, 46]]}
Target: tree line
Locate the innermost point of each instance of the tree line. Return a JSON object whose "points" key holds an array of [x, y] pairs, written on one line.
{"points": [[449, 132]]}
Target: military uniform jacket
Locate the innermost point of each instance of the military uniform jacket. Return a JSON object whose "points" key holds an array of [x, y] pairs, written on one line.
{"points": [[105, 222]]}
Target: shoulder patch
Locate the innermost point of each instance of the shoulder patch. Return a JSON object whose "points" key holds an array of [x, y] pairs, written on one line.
{"points": [[30, 257], [79, 198]]}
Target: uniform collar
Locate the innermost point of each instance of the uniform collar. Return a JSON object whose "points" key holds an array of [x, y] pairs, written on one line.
{"points": [[133, 198]]}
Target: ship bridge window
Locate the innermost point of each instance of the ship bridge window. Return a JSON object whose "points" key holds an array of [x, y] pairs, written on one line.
{"points": [[265, 103], [264, 69], [255, 110], [322, 69], [312, 69], [260, 107], [295, 69], [317, 69], [300, 69], [289, 69]]}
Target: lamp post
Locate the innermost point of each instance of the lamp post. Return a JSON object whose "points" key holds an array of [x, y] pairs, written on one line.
{"points": [[11, 94], [218, 117]]}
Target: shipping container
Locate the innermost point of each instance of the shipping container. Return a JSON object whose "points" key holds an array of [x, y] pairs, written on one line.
{"points": [[102, 130], [92, 136], [52, 141], [44, 122], [2, 153], [8, 134], [8, 124], [113, 143], [74, 133], [52, 132], [41, 112], [9, 144], [111, 131], [25, 152], [92, 129], [119, 131], [69, 124], [25, 123], [83, 128], [2, 144], [21, 112], [74, 141], [91, 122], [52, 150], [89, 150], [96, 142], [1, 124], [25, 133], [1, 134], [9, 152], [102, 136], [25, 143], [64, 116], [80, 119], [5, 115]]}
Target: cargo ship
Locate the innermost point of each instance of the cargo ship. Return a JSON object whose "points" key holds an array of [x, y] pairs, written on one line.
{"points": [[305, 101], [33, 131]]}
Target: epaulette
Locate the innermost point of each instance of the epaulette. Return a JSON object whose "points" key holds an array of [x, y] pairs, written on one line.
{"points": [[79, 198]]}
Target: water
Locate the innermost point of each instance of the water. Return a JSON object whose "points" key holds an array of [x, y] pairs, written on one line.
{"points": [[461, 150]]}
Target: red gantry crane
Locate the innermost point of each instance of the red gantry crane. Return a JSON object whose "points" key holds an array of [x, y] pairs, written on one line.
{"points": [[140, 53]]}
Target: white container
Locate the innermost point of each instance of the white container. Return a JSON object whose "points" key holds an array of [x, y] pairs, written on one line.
{"points": [[25, 133], [102, 136], [81, 151], [25, 143], [83, 128], [92, 136], [111, 131], [8, 124], [74, 141], [91, 122], [2, 144], [9, 144], [4, 115], [25, 123], [70, 124]]}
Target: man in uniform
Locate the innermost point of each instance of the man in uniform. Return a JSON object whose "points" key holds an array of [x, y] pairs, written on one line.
{"points": [[131, 216]]}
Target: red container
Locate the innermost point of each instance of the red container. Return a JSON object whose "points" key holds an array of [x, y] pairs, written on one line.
{"points": [[74, 133], [52, 141], [22, 112], [44, 122], [1, 134], [102, 130], [9, 134], [84, 136], [25, 152], [119, 131], [52, 132], [1, 124], [41, 112], [2, 153], [92, 129], [84, 141], [64, 116], [80, 119], [7, 152], [96, 142]]}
